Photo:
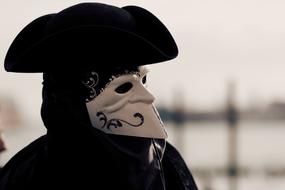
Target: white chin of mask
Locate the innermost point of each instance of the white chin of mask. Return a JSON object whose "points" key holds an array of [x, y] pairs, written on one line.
{"points": [[125, 107]]}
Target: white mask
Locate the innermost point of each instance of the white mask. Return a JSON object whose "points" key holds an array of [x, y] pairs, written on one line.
{"points": [[125, 107]]}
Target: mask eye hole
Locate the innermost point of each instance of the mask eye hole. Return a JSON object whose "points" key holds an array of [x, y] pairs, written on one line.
{"points": [[144, 79], [124, 88]]}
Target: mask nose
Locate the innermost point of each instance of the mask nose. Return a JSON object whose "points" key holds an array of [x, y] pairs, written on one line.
{"points": [[142, 95]]}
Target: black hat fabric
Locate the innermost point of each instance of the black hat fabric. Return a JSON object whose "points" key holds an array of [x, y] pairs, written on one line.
{"points": [[91, 36]]}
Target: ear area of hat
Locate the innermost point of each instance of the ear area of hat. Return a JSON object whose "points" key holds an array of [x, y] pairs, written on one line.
{"points": [[151, 28], [25, 39]]}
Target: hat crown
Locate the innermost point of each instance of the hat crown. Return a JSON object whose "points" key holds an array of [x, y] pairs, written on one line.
{"points": [[90, 14], [88, 36]]}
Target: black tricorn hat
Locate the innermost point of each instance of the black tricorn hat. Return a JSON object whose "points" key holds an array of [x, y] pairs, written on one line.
{"points": [[89, 36]]}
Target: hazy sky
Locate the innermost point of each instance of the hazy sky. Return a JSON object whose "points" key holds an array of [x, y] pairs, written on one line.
{"points": [[219, 40]]}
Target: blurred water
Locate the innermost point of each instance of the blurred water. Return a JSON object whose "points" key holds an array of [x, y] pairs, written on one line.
{"points": [[204, 145], [261, 150], [260, 144]]}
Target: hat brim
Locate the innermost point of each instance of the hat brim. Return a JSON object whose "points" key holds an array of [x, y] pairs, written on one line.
{"points": [[91, 46]]}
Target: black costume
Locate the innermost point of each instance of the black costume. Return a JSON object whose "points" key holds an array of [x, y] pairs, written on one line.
{"points": [[73, 154]]}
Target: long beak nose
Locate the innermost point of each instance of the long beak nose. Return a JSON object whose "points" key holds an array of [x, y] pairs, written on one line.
{"points": [[142, 95]]}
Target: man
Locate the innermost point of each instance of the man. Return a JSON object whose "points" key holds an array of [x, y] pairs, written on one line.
{"points": [[103, 131]]}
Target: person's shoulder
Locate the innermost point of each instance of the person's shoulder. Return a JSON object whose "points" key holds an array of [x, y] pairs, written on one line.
{"points": [[22, 164], [26, 153], [176, 171]]}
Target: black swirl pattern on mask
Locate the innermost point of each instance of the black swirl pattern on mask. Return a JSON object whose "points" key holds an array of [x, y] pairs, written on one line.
{"points": [[90, 82], [118, 122]]}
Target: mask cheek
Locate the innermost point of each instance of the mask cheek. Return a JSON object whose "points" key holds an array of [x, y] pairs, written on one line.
{"points": [[116, 104]]}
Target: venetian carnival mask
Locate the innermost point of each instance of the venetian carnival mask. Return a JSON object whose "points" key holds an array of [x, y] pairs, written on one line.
{"points": [[124, 106]]}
